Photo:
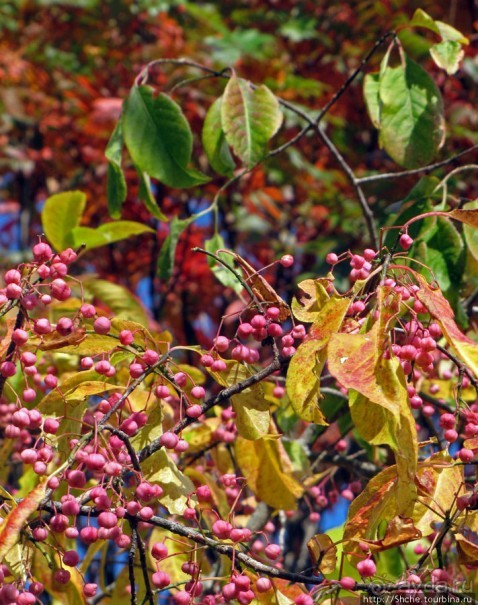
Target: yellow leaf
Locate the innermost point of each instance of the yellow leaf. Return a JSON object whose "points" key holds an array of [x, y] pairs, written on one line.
{"points": [[307, 307], [268, 472], [251, 407], [305, 368], [323, 553], [467, 538], [160, 469]]}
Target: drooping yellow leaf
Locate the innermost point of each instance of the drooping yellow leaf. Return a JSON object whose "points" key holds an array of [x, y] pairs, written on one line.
{"points": [[268, 472], [323, 553], [440, 481], [160, 469], [251, 407], [378, 398], [306, 365], [307, 307]]}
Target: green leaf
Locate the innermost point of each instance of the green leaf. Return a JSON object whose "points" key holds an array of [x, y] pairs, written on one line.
{"points": [[159, 139], [446, 32], [107, 233], [214, 141], [117, 298], [227, 278], [447, 55], [412, 127], [249, 119], [146, 195], [116, 183], [371, 85], [168, 249], [61, 213]]}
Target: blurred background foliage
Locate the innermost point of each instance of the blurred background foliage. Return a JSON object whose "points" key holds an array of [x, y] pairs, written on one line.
{"points": [[66, 66]]}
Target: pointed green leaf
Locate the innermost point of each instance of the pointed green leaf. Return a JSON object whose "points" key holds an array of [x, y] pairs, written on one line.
{"points": [[61, 213], [116, 183], [147, 196], [119, 299], [445, 31], [107, 233], [159, 139], [412, 125], [371, 85], [227, 278], [249, 119], [447, 55], [168, 249], [214, 141]]}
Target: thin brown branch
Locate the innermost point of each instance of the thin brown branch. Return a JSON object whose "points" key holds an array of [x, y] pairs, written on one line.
{"points": [[424, 170]]}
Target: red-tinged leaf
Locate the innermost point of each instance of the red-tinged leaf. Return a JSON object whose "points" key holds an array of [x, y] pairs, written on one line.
{"points": [[15, 521], [323, 553], [263, 291], [439, 482], [305, 368], [400, 530], [468, 217], [378, 399], [440, 309]]}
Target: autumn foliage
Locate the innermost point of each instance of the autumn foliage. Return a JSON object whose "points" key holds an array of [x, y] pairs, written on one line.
{"points": [[241, 308]]}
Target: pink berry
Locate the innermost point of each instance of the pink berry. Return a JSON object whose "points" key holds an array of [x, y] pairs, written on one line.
{"points": [[287, 260], [89, 590], [182, 597], [367, 568], [331, 258], [221, 343], [193, 411], [272, 551], [347, 583], [61, 576], [263, 585], [198, 392], [42, 252], [126, 337], [169, 439], [71, 558], [405, 241], [466, 455], [221, 529], [159, 551], [102, 325], [181, 379], [161, 579]]}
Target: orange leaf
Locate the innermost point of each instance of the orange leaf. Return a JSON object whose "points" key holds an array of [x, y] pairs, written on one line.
{"points": [[15, 521]]}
